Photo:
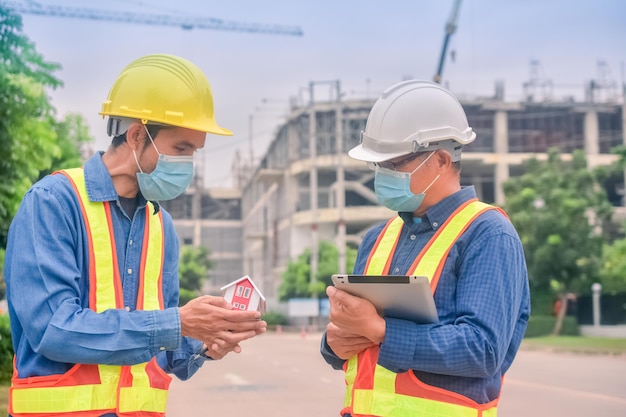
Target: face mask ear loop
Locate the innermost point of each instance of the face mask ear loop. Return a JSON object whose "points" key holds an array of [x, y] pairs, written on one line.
{"points": [[423, 162], [431, 184], [137, 161], [151, 141]]}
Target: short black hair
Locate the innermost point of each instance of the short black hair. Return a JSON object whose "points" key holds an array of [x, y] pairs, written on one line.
{"points": [[152, 129]]}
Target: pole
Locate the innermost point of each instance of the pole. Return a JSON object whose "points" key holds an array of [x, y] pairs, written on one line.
{"points": [[596, 290], [313, 187], [341, 185]]}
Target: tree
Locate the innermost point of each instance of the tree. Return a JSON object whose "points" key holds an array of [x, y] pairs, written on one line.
{"points": [[27, 135], [613, 271], [559, 209], [193, 268], [72, 135], [296, 281]]}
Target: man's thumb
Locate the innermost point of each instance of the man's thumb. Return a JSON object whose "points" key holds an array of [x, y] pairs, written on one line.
{"points": [[330, 291]]}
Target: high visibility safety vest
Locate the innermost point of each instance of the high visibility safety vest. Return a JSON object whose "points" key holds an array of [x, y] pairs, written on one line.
{"points": [[92, 390], [372, 390]]}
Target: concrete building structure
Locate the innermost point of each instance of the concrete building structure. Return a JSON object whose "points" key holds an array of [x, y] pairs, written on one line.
{"points": [[212, 218], [306, 189]]}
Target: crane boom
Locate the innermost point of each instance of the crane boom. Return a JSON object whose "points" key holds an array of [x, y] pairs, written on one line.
{"points": [[450, 29], [186, 23]]}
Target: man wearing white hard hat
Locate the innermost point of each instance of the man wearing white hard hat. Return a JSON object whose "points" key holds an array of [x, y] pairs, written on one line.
{"points": [[468, 250]]}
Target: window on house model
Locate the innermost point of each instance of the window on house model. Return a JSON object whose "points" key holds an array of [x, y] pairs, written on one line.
{"points": [[239, 290], [236, 305], [242, 306], [246, 293]]}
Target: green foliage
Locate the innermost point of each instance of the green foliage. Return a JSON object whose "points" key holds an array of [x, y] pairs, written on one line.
{"points": [[27, 126], [72, 134], [274, 318], [559, 208], [193, 267], [543, 326], [3, 286], [297, 278], [613, 272], [6, 350]]}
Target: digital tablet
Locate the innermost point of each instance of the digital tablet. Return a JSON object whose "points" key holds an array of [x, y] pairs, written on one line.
{"points": [[407, 297]]}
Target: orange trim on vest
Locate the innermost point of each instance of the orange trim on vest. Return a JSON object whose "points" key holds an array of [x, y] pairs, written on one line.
{"points": [[117, 281], [144, 257], [119, 301]]}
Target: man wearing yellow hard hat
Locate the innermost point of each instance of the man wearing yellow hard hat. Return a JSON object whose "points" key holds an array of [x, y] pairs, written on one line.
{"points": [[92, 261]]}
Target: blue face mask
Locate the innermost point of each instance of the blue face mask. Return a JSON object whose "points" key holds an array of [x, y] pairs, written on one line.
{"points": [[170, 178], [393, 189]]}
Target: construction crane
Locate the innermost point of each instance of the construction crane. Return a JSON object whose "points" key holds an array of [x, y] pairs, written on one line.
{"points": [[183, 22], [450, 29]]}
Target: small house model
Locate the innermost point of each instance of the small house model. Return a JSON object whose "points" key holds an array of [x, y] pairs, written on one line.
{"points": [[244, 295]]}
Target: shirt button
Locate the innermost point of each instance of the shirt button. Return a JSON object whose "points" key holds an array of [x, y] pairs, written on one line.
{"points": [[127, 308], [130, 242], [161, 348], [435, 224], [412, 237], [130, 271], [397, 270]]}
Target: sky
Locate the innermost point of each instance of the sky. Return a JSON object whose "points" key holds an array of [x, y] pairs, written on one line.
{"points": [[367, 45]]}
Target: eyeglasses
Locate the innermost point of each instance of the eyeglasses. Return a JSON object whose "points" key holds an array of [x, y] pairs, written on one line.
{"points": [[394, 165]]}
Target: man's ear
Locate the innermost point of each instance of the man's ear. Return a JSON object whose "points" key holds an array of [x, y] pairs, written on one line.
{"points": [[444, 158], [135, 135]]}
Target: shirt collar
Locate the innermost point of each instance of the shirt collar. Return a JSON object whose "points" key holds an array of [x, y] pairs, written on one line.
{"points": [[100, 184], [437, 214]]}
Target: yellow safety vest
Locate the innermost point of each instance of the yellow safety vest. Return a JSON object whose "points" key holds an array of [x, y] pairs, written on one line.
{"points": [[92, 390], [372, 390]]}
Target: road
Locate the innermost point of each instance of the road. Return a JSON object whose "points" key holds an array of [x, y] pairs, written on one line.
{"points": [[284, 376]]}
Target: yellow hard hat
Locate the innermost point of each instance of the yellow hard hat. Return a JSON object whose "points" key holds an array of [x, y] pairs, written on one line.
{"points": [[165, 89]]}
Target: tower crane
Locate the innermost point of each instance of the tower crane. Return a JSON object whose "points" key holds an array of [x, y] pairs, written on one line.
{"points": [[183, 22], [450, 29]]}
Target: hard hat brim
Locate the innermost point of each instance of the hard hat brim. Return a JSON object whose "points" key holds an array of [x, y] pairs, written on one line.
{"points": [[362, 153]]}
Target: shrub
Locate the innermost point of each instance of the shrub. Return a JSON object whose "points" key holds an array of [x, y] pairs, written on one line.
{"points": [[6, 350], [274, 318], [543, 326]]}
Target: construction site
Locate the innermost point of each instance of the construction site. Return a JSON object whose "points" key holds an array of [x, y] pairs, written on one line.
{"points": [[305, 189]]}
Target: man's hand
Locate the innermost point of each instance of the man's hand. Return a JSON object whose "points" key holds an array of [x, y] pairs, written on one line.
{"points": [[214, 321], [345, 345], [355, 316]]}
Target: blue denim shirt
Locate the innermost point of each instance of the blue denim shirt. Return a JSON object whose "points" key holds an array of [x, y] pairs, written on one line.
{"points": [[482, 300], [46, 272]]}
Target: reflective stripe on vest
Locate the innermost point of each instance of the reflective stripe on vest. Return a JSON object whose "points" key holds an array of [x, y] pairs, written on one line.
{"points": [[372, 390], [92, 390]]}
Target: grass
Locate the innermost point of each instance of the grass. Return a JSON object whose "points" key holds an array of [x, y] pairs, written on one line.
{"points": [[4, 400], [577, 344]]}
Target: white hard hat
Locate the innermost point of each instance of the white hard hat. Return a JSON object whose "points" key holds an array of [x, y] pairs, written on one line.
{"points": [[413, 116]]}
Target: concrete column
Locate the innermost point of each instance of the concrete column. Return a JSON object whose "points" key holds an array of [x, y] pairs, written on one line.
{"points": [[592, 133], [501, 145], [313, 186], [341, 185]]}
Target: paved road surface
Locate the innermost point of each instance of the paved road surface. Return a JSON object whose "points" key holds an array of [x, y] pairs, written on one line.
{"points": [[284, 375]]}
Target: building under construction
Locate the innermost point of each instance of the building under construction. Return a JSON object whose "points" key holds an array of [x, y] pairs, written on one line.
{"points": [[306, 189]]}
